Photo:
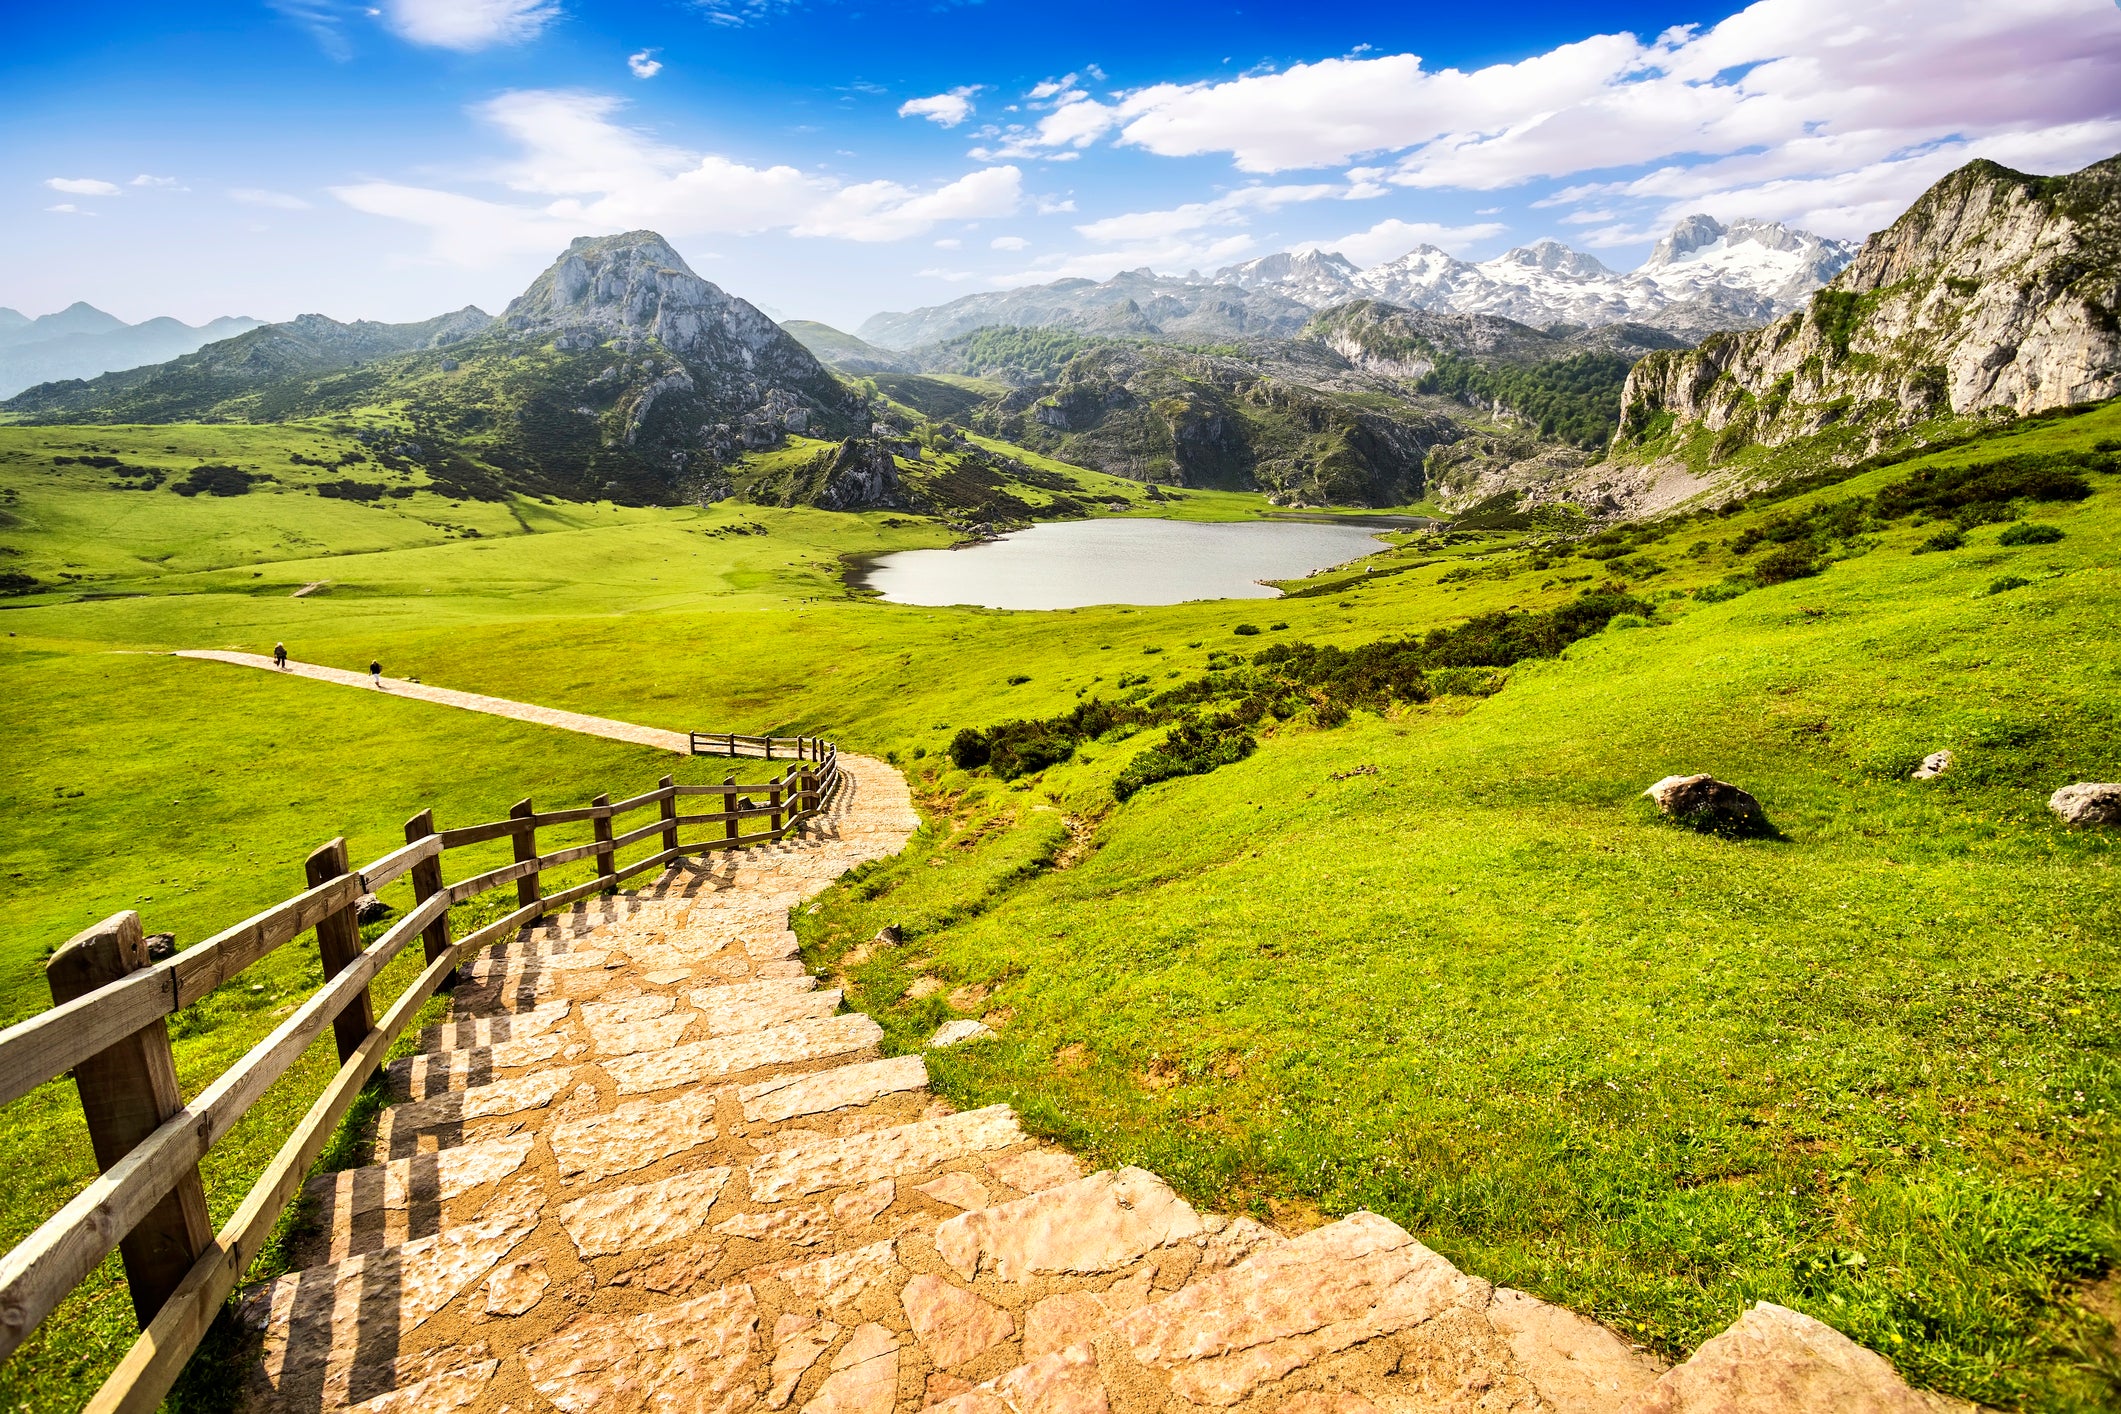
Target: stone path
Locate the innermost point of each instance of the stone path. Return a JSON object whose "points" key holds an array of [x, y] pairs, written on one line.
{"points": [[678, 742], [649, 1165]]}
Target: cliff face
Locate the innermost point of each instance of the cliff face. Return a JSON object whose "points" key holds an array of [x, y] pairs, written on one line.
{"points": [[1995, 291]]}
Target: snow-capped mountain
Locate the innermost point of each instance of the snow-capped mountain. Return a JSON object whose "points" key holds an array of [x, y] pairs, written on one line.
{"points": [[1702, 277]]}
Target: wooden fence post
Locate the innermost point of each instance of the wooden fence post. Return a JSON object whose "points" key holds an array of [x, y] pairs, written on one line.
{"points": [[670, 812], [127, 1090], [773, 800], [338, 944], [526, 842], [809, 803], [732, 827], [607, 862], [426, 883]]}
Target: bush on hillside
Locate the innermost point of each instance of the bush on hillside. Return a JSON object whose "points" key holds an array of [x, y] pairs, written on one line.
{"points": [[2029, 533], [215, 480], [2027, 476], [1948, 538], [1787, 563]]}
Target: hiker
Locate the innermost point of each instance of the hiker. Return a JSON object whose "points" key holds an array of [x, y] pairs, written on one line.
{"points": [[279, 656], [375, 672]]}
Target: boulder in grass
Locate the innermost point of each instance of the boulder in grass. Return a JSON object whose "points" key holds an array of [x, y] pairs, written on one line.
{"points": [[888, 936], [1773, 1360], [1933, 765], [370, 909], [161, 946], [1707, 804], [2088, 803], [952, 1033]]}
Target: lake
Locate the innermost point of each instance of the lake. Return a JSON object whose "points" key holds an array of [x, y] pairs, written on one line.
{"points": [[1069, 564]]}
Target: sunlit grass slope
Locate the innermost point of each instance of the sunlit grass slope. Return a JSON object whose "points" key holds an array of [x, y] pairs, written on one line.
{"points": [[1865, 1069]]}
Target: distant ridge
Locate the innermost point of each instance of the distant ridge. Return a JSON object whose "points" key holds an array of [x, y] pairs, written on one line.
{"points": [[1704, 276], [82, 341]]}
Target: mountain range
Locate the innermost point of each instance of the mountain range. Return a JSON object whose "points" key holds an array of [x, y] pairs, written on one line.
{"points": [[619, 373], [82, 341], [1702, 277]]}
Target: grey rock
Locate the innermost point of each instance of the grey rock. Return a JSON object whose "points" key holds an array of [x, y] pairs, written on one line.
{"points": [[370, 909], [161, 946], [1710, 805], [1933, 765], [2088, 803], [1773, 1360], [889, 936]]}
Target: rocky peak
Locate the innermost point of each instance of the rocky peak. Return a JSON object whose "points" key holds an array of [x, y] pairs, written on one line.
{"points": [[1689, 235], [1555, 258], [633, 288]]}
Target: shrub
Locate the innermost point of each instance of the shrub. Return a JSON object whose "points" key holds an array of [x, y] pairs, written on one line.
{"points": [[1948, 538], [1786, 563], [1246, 630], [1627, 621], [2028, 476], [1724, 590], [1192, 749], [214, 480], [1018, 679], [2027, 532], [2006, 584]]}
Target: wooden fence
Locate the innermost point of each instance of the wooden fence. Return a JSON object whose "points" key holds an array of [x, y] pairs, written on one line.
{"points": [[107, 1025], [799, 748]]}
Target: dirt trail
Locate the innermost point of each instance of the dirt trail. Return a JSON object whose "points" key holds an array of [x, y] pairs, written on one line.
{"points": [[678, 742]]}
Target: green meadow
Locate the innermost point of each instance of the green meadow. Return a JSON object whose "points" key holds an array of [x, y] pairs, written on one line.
{"points": [[1439, 960]]}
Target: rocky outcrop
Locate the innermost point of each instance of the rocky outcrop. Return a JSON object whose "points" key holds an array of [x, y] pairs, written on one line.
{"points": [[1997, 292]]}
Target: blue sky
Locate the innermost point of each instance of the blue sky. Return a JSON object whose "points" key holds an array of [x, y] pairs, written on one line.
{"points": [[828, 160]]}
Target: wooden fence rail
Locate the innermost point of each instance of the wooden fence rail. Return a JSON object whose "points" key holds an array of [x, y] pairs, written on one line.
{"points": [[108, 1026]]}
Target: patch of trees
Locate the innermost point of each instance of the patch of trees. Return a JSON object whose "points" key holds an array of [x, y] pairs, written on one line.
{"points": [[1032, 355], [1575, 399]]}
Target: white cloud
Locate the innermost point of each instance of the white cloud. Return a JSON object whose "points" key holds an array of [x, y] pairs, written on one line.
{"points": [[1388, 240], [644, 64], [948, 243], [1007, 243], [1230, 209], [467, 25], [81, 186], [69, 209], [1786, 100], [144, 180], [578, 172], [1174, 255], [258, 196], [945, 110]]}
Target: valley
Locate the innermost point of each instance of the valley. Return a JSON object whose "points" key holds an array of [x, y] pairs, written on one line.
{"points": [[1348, 898]]}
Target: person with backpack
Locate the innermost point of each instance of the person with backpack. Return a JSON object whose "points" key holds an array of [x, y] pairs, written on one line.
{"points": [[279, 656], [375, 672]]}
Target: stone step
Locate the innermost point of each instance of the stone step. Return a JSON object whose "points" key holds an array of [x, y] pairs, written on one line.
{"points": [[440, 1122], [384, 1205], [331, 1334], [471, 1034], [420, 1076]]}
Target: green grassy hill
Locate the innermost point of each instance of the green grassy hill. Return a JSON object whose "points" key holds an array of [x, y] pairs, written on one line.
{"points": [[1433, 957]]}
